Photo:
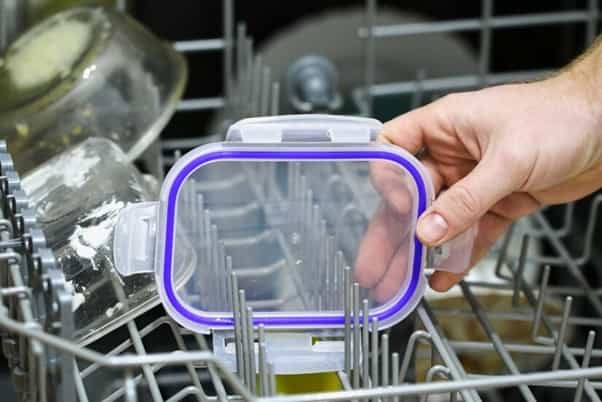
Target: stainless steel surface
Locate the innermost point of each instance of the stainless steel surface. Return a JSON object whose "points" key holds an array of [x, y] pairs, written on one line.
{"points": [[36, 323]]}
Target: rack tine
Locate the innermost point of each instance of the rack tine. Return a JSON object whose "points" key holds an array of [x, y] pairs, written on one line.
{"points": [[248, 81], [501, 258], [265, 92], [228, 24], [130, 387], [356, 335], [256, 85], [240, 53], [562, 334], [374, 351], [272, 380], [229, 286], [369, 55], [395, 372], [246, 360], [275, 98], [341, 274], [215, 290], [384, 344], [410, 349], [251, 349], [540, 303], [433, 372], [263, 374], [344, 379], [347, 308], [223, 274], [590, 230], [587, 354], [240, 367], [365, 344], [518, 275], [418, 94], [263, 377]]}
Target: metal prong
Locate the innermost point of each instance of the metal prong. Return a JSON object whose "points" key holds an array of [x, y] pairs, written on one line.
{"points": [[587, 354], [265, 92], [365, 344], [518, 275], [347, 304], [256, 86], [395, 372], [275, 99], [541, 297], [410, 350], [222, 274], [340, 261], [251, 348], [384, 344], [245, 336], [237, 327], [345, 383], [374, 351], [562, 334], [229, 286], [356, 335], [228, 12], [272, 380], [418, 94], [503, 252], [262, 357], [240, 53]]}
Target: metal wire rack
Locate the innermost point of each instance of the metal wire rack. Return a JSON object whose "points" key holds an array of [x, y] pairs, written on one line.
{"points": [[152, 358]]}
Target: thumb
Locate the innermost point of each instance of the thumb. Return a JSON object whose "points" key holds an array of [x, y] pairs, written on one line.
{"points": [[465, 202]]}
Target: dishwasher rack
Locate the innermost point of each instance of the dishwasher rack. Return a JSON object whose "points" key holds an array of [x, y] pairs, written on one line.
{"points": [[152, 358]]}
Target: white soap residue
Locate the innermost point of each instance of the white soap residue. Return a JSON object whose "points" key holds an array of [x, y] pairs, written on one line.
{"points": [[87, 240], [49, 54], [70, 169]]}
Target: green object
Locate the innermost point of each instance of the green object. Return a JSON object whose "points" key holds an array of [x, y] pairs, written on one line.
{"points": [[307, 383]]}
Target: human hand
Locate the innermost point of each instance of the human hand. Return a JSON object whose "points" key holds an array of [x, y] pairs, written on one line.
{"points": [[501, 153]]}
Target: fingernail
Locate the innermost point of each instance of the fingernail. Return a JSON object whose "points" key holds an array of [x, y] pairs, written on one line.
{"points": [[432, 228]]}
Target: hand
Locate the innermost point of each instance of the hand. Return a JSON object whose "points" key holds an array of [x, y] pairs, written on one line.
{"points": [[501, 153]]}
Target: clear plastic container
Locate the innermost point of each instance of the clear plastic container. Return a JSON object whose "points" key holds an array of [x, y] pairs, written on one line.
{"points": [[287, 203], [77, 197], [86, 72]]}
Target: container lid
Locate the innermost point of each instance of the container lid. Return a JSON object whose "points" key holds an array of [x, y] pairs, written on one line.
{"points": [[286, 204]]}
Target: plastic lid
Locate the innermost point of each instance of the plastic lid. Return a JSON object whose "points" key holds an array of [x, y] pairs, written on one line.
{"points": [[288, 218]]}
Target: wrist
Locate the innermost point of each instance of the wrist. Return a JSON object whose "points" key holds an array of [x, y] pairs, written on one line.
{"points": [[582, 83]]}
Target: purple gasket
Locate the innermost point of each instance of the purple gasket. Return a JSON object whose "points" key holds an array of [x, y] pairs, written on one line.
{"points": [[224, 321]]}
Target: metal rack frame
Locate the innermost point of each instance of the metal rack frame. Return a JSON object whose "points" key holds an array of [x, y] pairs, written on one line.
{"points": [[36, 320]]}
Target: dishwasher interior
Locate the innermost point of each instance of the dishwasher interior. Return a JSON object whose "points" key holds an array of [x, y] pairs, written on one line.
{"points": [[521, 326]]}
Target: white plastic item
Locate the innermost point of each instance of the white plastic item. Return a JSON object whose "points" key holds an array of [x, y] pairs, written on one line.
{"points": [[287, 203]]}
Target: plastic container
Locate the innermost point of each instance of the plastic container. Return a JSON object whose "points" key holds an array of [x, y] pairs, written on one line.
{"points": [[108, 78], [287, 203], [77, 197]]}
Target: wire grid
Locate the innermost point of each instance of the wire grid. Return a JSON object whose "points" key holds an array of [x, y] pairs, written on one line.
{"points": [[35, 311]]}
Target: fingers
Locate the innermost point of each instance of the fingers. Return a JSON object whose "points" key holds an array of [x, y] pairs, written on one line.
{"points": [[379, 244], [394, 277], [467, 201], [491, 228], [406, 131], [391, 183]]}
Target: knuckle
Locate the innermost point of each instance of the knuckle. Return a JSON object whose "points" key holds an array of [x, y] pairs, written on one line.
{"points": [[464, 201]]}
